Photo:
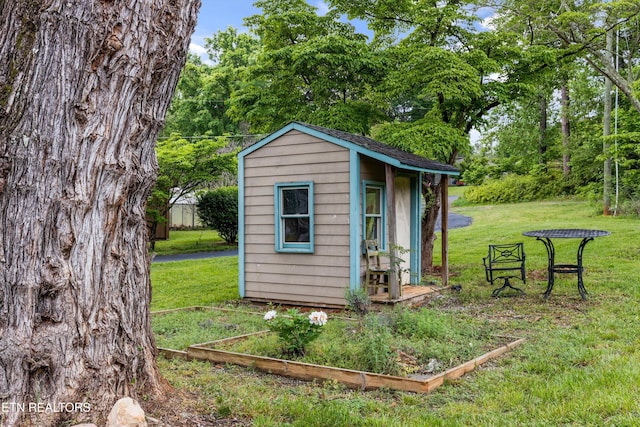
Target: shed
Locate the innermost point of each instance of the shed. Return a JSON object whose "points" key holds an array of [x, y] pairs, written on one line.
{"points": [[308, 198], [184, 212]]}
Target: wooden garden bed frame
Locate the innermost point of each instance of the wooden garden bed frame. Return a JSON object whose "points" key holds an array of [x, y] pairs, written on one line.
{"points": [[351, 378]]}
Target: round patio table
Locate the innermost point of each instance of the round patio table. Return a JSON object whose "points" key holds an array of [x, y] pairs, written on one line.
{"points": [[545, 237]]}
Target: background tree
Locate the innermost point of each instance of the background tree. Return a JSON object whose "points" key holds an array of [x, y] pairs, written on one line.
{"points": [[233, 54], [444, 71], [578, 29], [184, 167], [584, 32], [197, 108], [218, 209], [311, 68], [200, 104], [85, 87]]}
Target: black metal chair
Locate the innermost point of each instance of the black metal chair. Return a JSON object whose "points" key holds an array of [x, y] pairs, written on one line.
{"points": [[505, 262]]}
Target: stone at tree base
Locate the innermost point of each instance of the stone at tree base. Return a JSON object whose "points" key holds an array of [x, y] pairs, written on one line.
{"points": [[126, 413]]}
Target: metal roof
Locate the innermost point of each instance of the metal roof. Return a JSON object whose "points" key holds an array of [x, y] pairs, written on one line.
{"points": [[364, 145], [402, 156]]}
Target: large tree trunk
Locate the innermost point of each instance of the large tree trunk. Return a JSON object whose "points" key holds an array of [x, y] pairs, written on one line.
{"points": [[542, 143], [431, 194], [84, 87], [565, 124]]}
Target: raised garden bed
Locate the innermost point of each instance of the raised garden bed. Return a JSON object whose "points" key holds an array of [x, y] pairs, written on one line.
{"points": [[224, 349]]}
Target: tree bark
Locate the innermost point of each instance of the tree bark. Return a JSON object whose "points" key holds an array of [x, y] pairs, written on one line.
{"points": [[84, 87], [542, 144], [431, 194], [606, 131], [566, 128]]}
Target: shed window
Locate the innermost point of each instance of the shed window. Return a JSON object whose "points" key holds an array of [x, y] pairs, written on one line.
{"points": [[374, 204], [294, 217]]}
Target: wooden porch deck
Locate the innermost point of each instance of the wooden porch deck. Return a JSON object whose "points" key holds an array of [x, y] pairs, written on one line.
{"points": [[411, 295]]}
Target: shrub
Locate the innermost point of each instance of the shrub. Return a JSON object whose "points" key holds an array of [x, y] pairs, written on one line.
{"points": [[218, 209], [630, 208], [296, 330], [475, 169], [516, 188]]}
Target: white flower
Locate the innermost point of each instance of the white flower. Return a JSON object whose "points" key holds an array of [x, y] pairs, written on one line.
{"points": [[271, 314], [318, 318]]}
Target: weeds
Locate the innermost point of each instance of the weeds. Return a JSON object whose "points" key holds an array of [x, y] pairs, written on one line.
{"points": [[358, 301]]}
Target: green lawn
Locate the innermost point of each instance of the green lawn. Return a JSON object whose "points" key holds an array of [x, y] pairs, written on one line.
{"points": [[185, 242], [580, 365], [199, 282]]}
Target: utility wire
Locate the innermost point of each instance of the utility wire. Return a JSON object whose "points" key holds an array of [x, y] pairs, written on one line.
{"points": [[216, 136]]}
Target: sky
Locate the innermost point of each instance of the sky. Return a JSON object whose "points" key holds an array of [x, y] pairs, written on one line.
{"points": [[217, 15]]}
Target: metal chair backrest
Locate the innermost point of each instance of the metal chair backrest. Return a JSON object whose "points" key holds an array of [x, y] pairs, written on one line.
{"points": [[505, 259], [509, 253]]}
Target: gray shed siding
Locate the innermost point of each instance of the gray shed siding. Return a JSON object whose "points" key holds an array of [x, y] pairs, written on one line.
{"points": [[318, 278]]}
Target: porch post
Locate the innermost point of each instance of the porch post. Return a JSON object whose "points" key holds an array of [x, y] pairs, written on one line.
{"points": [[444, 204], [389, 172]]}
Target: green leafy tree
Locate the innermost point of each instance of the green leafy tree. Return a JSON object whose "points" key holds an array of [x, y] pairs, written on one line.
{"points": [[585, 31], [444, 76], [199, 106], [184, 167], [231, 50], [218, 209], [311, 68], [578, 29]]}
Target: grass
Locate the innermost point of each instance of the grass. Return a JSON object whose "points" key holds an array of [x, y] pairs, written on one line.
{"points": [[187, 242], [580, 365], [197, 282], [179, 329]]}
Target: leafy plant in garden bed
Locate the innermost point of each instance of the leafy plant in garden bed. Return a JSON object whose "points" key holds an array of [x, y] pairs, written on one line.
{"points": [[295, 329]]}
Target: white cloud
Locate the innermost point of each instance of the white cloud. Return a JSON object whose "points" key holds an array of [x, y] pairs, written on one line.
{"points": [[323, 8], [487, 23], [200, 51], [197, 49], [487, 17]]}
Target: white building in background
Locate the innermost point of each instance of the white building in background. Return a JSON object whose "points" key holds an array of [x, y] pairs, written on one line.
{"points": [[184, 212]]}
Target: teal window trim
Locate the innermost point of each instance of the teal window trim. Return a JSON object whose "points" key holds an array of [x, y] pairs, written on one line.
{"points": [[355, 233], [416, 229], [281, 216], [382, 243], [241, 228]]}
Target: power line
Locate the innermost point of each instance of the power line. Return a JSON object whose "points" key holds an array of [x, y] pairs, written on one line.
{"points": [[262, 135]]}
